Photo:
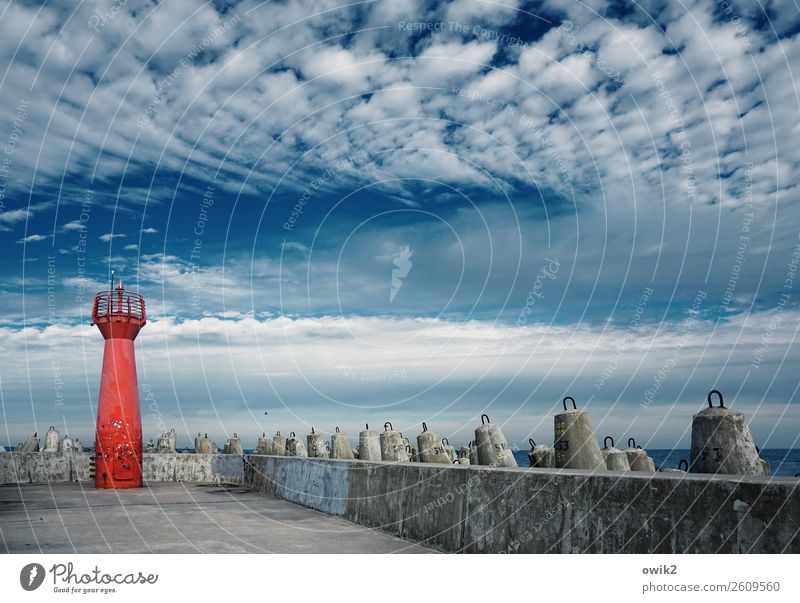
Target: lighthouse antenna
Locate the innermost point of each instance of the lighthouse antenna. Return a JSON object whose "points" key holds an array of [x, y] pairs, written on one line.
{"points": [[111, 281]]}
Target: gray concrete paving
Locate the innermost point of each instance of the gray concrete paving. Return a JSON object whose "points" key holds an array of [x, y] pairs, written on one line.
{"points": [[169, 517]]}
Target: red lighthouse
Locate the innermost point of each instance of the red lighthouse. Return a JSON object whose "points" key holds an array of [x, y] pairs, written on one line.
{"points": [[119, 314]]}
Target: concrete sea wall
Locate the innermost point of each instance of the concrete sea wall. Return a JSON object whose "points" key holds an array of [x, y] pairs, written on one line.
{"points": [[190, 467], [40, 467], [482, 510]]}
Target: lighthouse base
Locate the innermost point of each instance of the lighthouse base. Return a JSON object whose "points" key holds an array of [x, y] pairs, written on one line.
{"points": [[118, 472]]}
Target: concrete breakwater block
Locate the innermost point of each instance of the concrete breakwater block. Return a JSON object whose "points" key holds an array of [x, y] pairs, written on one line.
{"points": [[450, 450], [317, 447], [722, 442], [492, 446], [575, 445], [31, 444], [637, 458], [393, 448], [340, 446], [203, 444], [616, 460], [541, 456], [264, 445], [431, 449], [233, 445], [279, 444], [51, 440], [369, 445], [295, 446]]}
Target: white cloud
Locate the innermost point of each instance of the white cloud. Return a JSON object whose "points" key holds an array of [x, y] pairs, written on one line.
{"points": [[74, 225], [33, 238], [86, 284], [346, 371], [295, 246], [110, 236], [246, 95], [14, 215], [467, 12]]}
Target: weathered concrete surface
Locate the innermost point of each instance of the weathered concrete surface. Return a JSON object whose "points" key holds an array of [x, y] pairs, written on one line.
{"points": [[542, 456], [38, 467], [191, 467], [492, 446], [431, 449], [722, 443], [42, 467], [369, 445], [637, 459], [616, 459], [340, 446], [279, 444], [264, 445], [174, 518], [392, 446], [477, 509], [575, 445], [316, 446]]}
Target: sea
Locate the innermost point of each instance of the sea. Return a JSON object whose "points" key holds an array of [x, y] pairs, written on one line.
{"points": [[783, 461]]}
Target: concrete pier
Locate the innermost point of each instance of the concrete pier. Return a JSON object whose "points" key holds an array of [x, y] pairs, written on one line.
{"points": [[454, 508], [175, 518]]}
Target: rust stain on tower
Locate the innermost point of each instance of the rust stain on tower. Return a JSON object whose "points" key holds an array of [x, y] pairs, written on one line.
{"points": [[119, 314]]}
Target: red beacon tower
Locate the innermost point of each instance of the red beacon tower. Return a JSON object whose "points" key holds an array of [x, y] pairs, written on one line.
{"points": [[119, 314]]}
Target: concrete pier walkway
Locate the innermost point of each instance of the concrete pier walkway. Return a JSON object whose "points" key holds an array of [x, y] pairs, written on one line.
{"points": [[175, 517]]}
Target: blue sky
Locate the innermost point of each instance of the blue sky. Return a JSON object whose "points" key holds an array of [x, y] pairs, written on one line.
{"points": [[596, 200]]}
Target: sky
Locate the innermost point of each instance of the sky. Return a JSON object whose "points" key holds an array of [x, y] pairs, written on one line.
{"points": [[343, 213]]}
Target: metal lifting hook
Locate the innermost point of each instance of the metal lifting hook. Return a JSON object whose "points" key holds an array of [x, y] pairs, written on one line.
{"points": [[606, 440], [715, 391], [487, 419], [564, 402]]}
